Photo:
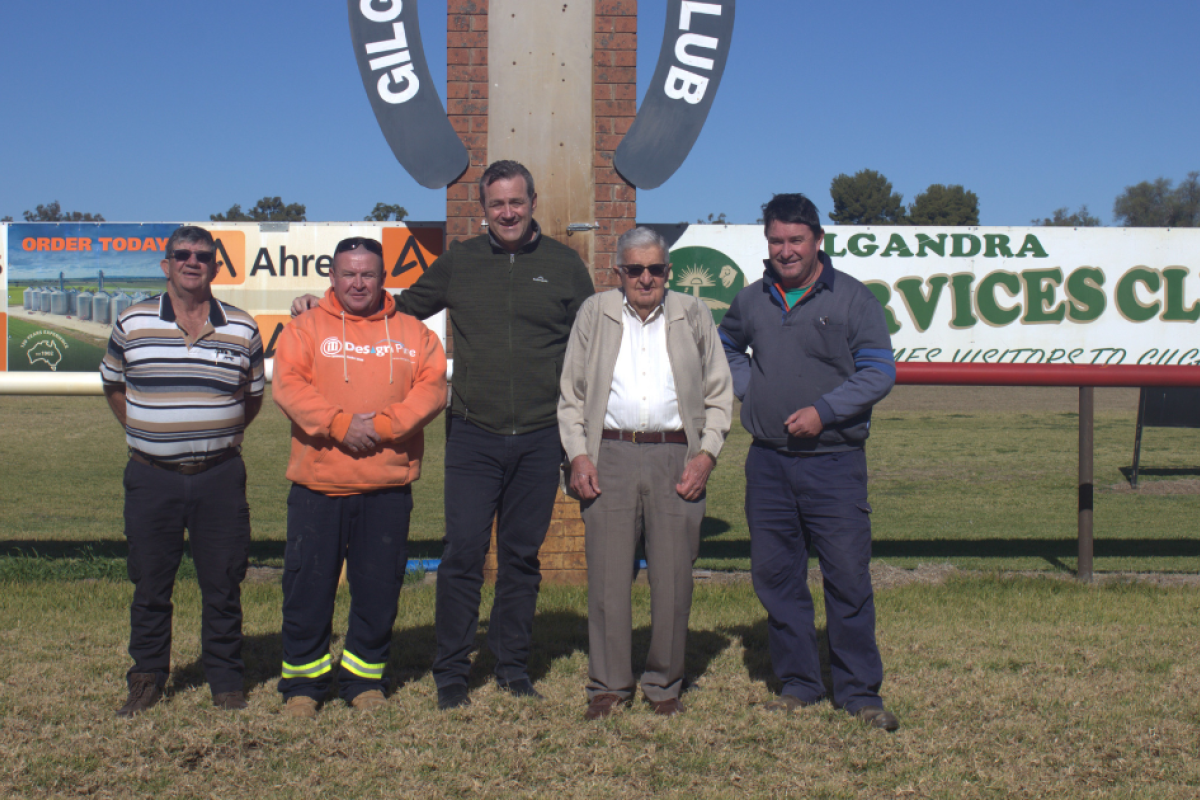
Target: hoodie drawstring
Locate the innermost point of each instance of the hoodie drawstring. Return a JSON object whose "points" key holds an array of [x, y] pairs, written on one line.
{"points": [[391, 358], [391, 355], [345, 371]]}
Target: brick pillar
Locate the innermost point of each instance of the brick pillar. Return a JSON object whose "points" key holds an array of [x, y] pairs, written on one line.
{"points": [[614, 98], [614, 95], [467, 108]]}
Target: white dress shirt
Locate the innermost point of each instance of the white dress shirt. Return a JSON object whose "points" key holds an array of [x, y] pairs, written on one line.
{"points": [[643, 397]]}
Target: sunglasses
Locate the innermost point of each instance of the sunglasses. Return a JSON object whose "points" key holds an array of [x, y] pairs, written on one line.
{"points": [[355, 242], [636, 270], [203, 256]]}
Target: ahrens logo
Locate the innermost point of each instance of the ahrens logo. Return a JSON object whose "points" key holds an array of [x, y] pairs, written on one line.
{"points": [[333, 347]]}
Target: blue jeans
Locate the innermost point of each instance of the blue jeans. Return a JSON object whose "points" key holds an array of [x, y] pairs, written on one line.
{"points": [[815, 503]]}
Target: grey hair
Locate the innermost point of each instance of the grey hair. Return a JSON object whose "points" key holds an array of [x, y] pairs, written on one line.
{"points": [[637, 238]]}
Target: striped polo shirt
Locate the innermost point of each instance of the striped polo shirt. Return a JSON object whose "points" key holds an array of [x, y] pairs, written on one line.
{"points": [[184, 402]]}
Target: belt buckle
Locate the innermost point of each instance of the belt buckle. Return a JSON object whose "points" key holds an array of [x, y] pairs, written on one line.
{"points": [[633, 437]]}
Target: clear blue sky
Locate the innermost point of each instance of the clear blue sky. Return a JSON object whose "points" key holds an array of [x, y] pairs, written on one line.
{"points": [[149, 110]]}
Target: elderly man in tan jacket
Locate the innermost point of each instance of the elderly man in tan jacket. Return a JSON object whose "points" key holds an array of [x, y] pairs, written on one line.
{"points": [[646, 400]]}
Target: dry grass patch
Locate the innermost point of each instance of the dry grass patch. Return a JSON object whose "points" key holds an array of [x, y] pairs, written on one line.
{"points": [[1005, 687]]}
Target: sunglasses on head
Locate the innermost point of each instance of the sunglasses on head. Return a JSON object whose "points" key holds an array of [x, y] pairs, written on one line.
{"points": [[355, 242], [636, 270], [203, 256]]}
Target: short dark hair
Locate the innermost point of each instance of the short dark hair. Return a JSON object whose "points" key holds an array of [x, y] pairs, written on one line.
{"points": [[502, 170], [190, 233], [793, 209]]}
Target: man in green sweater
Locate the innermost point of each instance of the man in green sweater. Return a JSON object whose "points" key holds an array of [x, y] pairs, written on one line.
{"points": [[511, 295]]}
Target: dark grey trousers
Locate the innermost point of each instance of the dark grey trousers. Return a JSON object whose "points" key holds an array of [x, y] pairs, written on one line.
{"points": [[637, 485]]}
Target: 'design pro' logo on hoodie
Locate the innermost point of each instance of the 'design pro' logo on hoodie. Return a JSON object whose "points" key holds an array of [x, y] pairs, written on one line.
{"points": [[333, 347]]}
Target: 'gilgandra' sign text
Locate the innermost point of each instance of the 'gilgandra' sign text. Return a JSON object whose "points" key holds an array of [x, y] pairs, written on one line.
{"points": [[1012, 295]]}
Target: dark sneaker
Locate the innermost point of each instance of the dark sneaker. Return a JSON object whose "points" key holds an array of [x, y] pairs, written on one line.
{"points": [[876, 717], [144, 692], [453, 696], [522, 687], [230, 701]]}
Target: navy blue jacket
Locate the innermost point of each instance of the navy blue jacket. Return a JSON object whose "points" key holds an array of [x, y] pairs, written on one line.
{"points": [[831, 351]]}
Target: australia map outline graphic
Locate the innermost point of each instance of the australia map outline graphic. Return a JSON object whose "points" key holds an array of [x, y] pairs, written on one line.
{"points": [[46, 351]]}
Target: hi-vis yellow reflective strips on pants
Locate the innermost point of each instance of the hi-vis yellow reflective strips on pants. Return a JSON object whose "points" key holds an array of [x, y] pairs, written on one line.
{"points": [[361, 668], [310, 670]]}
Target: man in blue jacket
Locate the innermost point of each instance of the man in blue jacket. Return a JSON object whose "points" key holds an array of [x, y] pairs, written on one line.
{"points": [[820, 358]]}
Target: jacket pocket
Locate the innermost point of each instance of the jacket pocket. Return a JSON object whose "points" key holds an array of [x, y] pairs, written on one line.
{"points": [[827, 341]]}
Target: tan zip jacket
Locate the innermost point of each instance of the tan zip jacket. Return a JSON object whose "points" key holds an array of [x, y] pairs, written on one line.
{"points": [[703, 386]]}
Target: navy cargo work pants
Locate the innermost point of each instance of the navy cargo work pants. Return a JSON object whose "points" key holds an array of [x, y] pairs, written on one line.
{"points": [[512, 479], [212, 507], [370, 533], [802, 504]]}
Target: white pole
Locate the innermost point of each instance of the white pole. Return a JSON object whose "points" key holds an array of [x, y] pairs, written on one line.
{"points": [[66, 383]]}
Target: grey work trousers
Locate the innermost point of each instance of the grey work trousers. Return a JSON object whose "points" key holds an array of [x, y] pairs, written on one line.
{"points": [[637, 485]]}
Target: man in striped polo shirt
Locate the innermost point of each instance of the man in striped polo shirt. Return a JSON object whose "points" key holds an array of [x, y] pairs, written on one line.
{"points": [[184, 375]]}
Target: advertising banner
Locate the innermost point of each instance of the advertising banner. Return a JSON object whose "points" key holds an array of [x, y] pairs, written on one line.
{"points": [[65, 283], [977, 295], [1100, 296]]}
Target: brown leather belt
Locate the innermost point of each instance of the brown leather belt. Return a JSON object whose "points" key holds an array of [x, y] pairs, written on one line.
{"points": [[193, 468], [641, 437]]}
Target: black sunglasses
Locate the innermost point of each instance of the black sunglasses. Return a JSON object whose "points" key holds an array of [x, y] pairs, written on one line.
{"points": [[355, 242], [203, 256], [636, 270]]}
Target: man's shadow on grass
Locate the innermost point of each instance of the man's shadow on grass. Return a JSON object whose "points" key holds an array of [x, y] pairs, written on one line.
{"points": [[262, 654], [756, 655], [410, 660]]}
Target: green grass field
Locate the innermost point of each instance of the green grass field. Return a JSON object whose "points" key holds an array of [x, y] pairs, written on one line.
{"points": [[1005, 686], [983, 487]]}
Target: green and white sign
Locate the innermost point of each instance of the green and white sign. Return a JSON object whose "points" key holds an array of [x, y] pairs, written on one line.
{"points": [[995, 295], [709, 274]]}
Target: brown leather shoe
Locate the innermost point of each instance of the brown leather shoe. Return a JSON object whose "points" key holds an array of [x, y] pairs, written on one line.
{"points": [[144, 692], [230, 701], [876, 717], [668, 708], [300, 707], [603, 705], [369, 700]]}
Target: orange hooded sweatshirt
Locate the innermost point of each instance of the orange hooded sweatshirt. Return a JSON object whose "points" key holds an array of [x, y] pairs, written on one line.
{"points": [[331, 365]]}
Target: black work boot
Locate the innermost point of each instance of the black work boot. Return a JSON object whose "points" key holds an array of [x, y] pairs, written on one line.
{"points": [[143, 693]]}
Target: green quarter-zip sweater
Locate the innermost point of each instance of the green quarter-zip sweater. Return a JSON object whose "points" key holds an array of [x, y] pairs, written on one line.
{"points": [[511, 316]]}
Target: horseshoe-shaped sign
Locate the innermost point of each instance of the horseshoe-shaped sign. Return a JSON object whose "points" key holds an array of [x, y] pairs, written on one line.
{"points": [[391, 60], [690, 65]]}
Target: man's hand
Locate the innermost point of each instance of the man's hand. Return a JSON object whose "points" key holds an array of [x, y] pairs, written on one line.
{"points": [[585, 482], [303, 303], [804, 424], [695, 476], [361, 437]]}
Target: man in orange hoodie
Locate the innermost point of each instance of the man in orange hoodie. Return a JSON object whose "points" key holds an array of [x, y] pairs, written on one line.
{"points": [[359, 380]]}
